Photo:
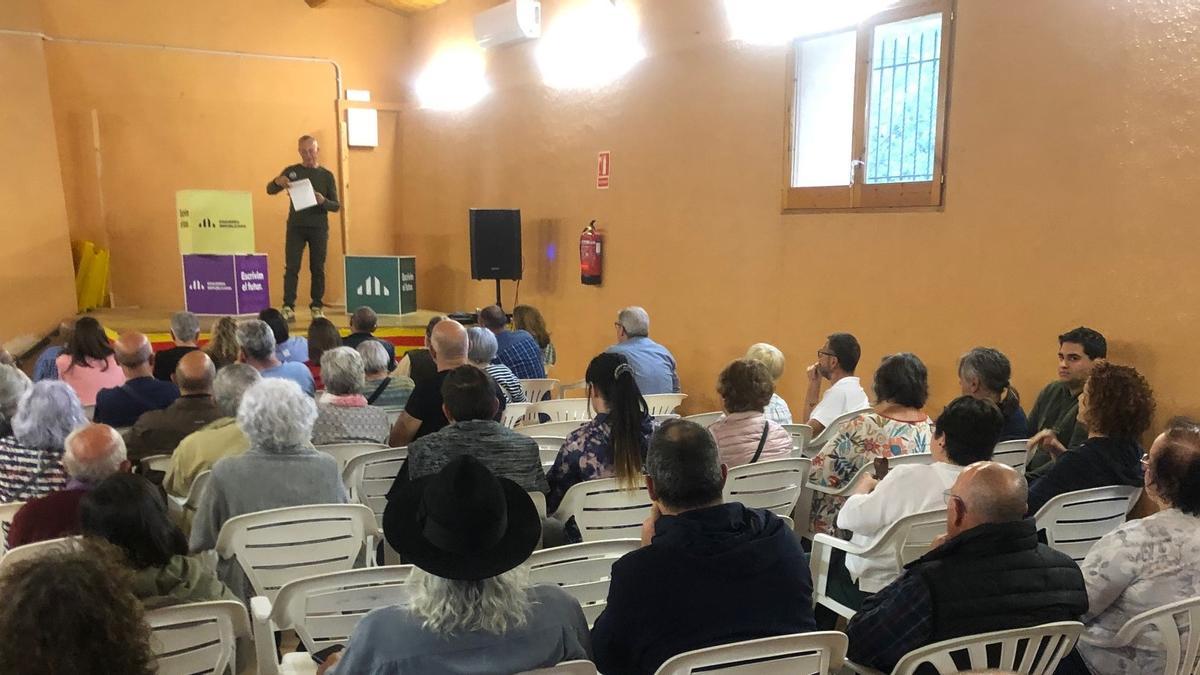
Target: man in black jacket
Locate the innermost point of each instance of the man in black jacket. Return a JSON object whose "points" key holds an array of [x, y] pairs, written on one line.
{"points": [[987, 573], [708, 573]]}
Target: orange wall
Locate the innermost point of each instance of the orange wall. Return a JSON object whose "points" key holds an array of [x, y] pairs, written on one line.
{"points": [[1070, 198], [37, 285]]}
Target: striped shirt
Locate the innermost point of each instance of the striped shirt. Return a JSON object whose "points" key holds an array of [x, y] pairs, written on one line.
{"points": [[27, 472], [777, 410], [509, 384]]}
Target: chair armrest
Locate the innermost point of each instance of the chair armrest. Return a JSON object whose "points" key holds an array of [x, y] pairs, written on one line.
{"points": [[863, 670], [264, 636], [833, 542]]}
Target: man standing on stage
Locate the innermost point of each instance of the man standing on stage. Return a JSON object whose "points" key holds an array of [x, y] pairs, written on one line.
{"points": [[306, 226]]}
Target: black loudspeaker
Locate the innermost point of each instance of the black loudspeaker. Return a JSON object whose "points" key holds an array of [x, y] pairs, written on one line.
{"points": [[495, 244]]}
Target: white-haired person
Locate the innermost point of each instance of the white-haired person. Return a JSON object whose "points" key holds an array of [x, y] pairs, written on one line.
{"points": [[343, 414], [31, 456], [383, 389], [481, 350], [471, 607], [777, 409], [256, 346], [185, 332], [13, 385], [280, 469]]}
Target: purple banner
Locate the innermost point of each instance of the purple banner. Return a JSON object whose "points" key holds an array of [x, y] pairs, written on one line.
{"points": [[253, 293], [208, 283]]}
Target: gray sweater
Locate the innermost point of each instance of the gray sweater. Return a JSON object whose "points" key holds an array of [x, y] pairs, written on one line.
{"points": [[503, 451]]}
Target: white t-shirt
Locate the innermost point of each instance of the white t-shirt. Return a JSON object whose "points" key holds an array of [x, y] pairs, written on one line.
{"points": [[846, 395], [905, 490]]}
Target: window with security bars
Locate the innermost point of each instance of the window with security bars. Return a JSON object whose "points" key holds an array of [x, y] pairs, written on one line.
{"points": [[867, 112]]}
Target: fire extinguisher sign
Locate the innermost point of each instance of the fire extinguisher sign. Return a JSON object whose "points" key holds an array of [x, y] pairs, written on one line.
{"points": [[603, 167]]}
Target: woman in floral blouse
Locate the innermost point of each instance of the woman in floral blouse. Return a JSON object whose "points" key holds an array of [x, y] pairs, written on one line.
{"points": [[897, 425]]}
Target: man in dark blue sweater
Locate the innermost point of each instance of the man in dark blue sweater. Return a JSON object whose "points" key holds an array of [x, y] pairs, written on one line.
{"points": [[708, 573]]}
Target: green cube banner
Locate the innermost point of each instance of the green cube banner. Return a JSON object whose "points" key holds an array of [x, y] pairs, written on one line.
{"points": [[214, 221], [386, 284]]}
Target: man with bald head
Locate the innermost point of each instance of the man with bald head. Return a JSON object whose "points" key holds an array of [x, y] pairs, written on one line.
{"points": [[158, 432], [122, 406], [987, 573], [90, 454]]}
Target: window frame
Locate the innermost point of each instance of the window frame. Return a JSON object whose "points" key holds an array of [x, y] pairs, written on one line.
{"points": [[859, 194]]}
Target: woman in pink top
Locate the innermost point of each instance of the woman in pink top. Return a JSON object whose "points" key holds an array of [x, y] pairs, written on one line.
{"points": [[745, 387], [87, 362]]}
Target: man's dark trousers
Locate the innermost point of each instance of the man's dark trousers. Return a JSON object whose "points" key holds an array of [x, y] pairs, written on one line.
{"points": [[317, 239]]}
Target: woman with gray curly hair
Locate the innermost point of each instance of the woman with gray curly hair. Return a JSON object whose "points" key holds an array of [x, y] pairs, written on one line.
{"points": [[280, 469], [31, 456], [481, 350], [13, 385], [343, 414]]}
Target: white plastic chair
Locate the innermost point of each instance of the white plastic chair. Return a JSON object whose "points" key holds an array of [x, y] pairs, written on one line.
{"points": [[565, 668], [8, 511], [605, 510], [368, 477], [281, 545], [1013, 453], [560, 429], [903, 541], [344, 452], [803, 511], [156, 463], [199, 637], [514, 413], [1165, 626], [817, 442], [323, 610], [548, 448], [539, 503], [801, 435], [663, 404], [89, 411], [1028, 651], [37, 549], [535, 390], [704, 419], [809, 653], [583, 570], [773, 485], [561, 410], [1074, 521]]}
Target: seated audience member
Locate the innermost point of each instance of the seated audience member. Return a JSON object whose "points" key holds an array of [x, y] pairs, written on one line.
{"points": [[777, 409], [223, 347], [708, 573], [288, 348], [31, 457], [45, 367], [91, 454], [418, 363], [744, 434], [1115, 407], [529, 319], [185, 331], [514, 348], [73, 612], [160, 431], [984, 373], [423, 413], [836, 361], [987, 573], [363, 323], [1057, 406], [256, 344], [471, 608], [129, 512], [322, 337], [380, 388], [653, 365], [220, 438], [87, 362], [343, 415], [13, 385], [481, 350], [1149, 562], [964, 433], [897, 425], [122, 405], [280, 469], [613, 443], [470, 402]]}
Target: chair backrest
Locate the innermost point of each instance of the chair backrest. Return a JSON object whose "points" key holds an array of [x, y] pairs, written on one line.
{"points": [[828, 432], [514, 413], [566, 668], [89, 411], [197, 638], [801, 435], [196, 491], [344, 452], [606, 510], [773, 485], [8, 511], [535, 390], [1074, 521], [582, 570], [1029, 651], [370, 475], [912, 536], [560, 429], [281, 545], [548, 447], [663, 404], [704, 419], [1013, 453], [1175, 628], [156, 463], [539, 503], [806, 653], [36, 549], [562, 409], [324, 609]]}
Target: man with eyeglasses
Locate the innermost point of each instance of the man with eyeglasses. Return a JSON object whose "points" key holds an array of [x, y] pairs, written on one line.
{"points": [[836, 361], [987, 573]]}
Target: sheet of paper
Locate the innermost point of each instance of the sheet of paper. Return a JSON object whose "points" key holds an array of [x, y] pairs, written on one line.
{"points": [[301, 192]]}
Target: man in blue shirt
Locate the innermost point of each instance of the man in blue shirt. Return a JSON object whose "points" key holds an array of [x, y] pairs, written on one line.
{"points": [[122, 406], [256, 343], [653, 366], [516, 349]]}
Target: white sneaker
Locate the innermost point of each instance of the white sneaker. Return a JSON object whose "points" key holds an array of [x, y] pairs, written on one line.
{"points": [[289, 314], [317, 312]]}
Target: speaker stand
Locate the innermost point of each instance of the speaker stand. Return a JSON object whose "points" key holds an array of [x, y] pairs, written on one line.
{"points": [[498, 302]]}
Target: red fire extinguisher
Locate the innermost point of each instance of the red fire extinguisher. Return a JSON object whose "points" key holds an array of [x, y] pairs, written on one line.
{"points": [[591, 258]]}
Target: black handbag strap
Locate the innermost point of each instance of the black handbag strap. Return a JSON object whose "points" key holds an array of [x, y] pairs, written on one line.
{"points": [[378, 390], [762, 440]]}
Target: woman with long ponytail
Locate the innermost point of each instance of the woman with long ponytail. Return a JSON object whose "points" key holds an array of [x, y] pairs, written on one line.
{"points": [[985, 373], [612, 444]]}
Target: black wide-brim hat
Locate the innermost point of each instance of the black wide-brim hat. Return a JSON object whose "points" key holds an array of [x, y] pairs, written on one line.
{"points": [[463, 522]]}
